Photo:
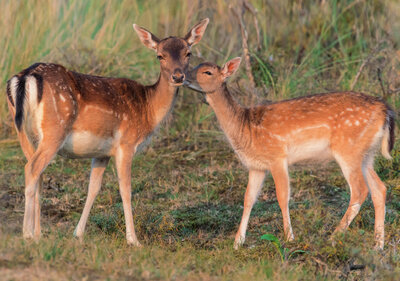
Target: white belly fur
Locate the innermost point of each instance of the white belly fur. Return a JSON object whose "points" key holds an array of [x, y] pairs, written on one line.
{"points": [[84, 144], [317, 149]]}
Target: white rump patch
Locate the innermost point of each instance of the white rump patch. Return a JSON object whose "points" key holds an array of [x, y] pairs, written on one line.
{"points": [[32, 92], [13, 88]]}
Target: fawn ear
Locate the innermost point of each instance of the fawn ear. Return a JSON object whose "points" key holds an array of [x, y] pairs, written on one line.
{"points": [[194, 35], [148, 39], [230, 67]]}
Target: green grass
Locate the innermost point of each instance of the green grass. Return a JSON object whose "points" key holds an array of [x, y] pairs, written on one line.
{"points": [[188, 187], [187, 234]]}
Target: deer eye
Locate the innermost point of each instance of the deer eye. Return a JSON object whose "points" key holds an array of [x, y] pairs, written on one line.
{"points": [[188, 55], [159, 57], [207, 72]]}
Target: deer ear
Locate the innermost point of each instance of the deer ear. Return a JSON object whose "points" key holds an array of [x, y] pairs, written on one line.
{"points": [[230, 67], [194, 35], [148, 39]]}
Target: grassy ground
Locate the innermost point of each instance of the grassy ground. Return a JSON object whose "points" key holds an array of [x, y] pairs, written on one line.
{"points": [[188, 186], [186, 214]]}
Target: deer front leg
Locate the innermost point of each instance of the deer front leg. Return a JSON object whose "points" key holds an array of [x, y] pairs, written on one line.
{"points": [[279, 172], [123, 161], [96, 176], [256, 179]]}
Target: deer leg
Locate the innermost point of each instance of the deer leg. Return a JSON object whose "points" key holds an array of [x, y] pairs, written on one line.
{"points": [[358, 192], [28, 151], [123, 161], [33, 171], [378, 195], [256, 179], [96, 176], [37, 228], [279, 172]]}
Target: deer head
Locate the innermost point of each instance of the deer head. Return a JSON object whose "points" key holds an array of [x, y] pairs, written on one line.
{"points": [[209, 77], [173, 52]]}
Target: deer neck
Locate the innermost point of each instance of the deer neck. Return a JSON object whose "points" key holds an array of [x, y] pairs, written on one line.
{"points": [[162, 98], [229, 114]]}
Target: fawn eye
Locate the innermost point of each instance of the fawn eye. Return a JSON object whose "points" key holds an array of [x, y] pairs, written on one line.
{"points": [[188, 55], [160, 57], [207, 72]]}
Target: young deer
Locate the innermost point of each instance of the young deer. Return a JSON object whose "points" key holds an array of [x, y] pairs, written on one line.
{"points": [[58, 111], [347, 127]]}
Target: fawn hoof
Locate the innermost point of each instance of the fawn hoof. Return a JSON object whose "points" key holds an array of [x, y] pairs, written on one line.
{"points": [[379, 246], [332, 240], [79, 238], [290, 237], [134, 243], [239, 241], [28, 235], [78, 235]]}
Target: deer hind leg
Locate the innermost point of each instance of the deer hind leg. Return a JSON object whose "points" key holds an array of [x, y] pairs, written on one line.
{"points": [[354, 174], [256, 179], [279, 172], [28, 151], [123, 160], [33, 171], [378, 195], [96, 176]]}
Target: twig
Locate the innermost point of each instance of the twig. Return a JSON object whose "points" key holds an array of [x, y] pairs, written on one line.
{"points": [[392, 92], [252, 10], [244, 45], [381, 83], [365, 62]]}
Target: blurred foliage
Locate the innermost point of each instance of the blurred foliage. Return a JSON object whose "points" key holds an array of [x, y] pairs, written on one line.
{"points": [[306, 46]]}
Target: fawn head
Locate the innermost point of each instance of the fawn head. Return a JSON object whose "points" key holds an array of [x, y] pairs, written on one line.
{"points": [[173, 52], [209, 77]]}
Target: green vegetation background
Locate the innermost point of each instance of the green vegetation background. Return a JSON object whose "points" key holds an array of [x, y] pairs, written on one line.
{"points": [[188, 186]]}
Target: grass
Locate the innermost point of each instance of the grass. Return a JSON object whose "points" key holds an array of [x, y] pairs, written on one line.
{"points": [[188, 187], [186, 216]]}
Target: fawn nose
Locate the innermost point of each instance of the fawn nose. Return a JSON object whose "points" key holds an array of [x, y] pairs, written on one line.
{"points": [[178, 77]]}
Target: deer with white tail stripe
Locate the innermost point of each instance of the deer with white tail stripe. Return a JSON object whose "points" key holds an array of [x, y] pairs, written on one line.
{"points": [[58, 111]]}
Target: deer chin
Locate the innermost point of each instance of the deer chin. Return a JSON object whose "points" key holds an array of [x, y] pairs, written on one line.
{"points": [[173, 84], [193, 87]]}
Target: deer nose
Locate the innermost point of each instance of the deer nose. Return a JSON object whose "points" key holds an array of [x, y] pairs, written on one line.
{"points": [[178, 77]]}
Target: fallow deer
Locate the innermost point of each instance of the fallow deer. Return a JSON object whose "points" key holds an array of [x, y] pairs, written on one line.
{"points": [[345, 126], [58, 111]]}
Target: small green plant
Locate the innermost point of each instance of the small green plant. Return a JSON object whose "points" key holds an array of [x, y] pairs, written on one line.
{"points": [[284, 253]]}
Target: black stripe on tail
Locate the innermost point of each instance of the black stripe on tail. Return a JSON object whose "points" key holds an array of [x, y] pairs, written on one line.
{"points": [[39, 85], [390, 121], [19, 102]]}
